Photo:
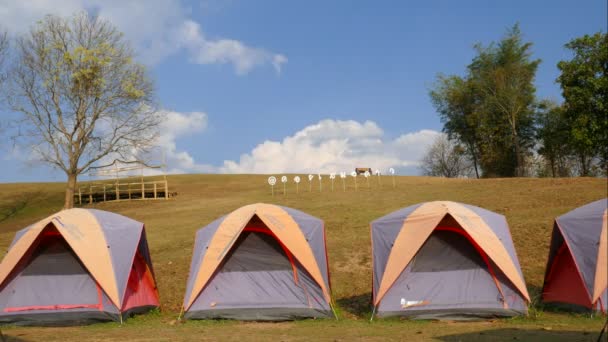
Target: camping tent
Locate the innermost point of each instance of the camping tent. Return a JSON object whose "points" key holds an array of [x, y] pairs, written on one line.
{"points": [[577, 265], [260, 262], [445, 260], [77, 266]]}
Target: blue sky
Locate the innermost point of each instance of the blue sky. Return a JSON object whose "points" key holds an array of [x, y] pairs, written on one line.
{"points": [[353, 83]]}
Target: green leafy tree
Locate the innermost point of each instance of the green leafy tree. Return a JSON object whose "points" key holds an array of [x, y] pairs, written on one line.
{"points": [[454, 100], [491, 109], [584, 83], [503, 74], [553, 135], [80, 96]]}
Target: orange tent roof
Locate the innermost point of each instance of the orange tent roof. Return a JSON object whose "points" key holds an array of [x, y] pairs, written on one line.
{"points": [[601, 269]]}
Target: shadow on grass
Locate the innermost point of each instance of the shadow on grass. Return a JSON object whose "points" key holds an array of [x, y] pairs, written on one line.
{"points": [[522, 335], [10, 338], [360, 305], [19, 203]]}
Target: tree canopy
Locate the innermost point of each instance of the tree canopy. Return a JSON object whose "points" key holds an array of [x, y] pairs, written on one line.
{"points": [[444, 158], [584, 83], [491, 109], [80, 95], [3, 55]]}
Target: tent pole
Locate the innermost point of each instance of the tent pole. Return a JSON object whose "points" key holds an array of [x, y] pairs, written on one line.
{"points": [[334, 311], [181, 314], [373, 313], [602, 332]]}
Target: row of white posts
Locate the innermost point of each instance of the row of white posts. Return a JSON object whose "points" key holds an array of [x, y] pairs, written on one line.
{"points": [[272, 180]]}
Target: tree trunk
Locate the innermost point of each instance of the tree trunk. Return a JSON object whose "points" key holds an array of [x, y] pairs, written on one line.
{"points": [[475, 166], [69, 191], [519, 162], [474, 155], [584, 168]]}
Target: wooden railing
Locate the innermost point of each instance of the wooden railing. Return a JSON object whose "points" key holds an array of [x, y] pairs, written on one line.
{"points": [[116, 191]]}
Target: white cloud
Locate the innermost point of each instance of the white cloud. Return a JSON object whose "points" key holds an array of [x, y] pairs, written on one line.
{"points": [[327, 146], [221, 51], [178, 125], [175, 125], [332, 146], [157, 29]]}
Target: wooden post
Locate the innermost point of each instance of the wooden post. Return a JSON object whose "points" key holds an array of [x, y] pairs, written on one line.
{"points": [[104, 192], [166, 189], [79, 196], [129, 186], [154, 190], [90, 193], [117, 191], [143, 190]]}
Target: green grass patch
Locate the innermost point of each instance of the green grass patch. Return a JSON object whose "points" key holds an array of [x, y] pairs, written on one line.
{"points": [[530, 206]]}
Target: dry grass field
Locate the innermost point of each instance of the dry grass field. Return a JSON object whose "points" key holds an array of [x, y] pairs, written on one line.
{"points": [[530, 206]]}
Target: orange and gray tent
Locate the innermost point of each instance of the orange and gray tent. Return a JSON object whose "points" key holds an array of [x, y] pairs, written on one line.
{"points": [[577, 267], [77, 266], [445, 260], [260, 262]]}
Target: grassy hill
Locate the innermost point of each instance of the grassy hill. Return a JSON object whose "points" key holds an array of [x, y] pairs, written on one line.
{"points": [[530, 206]]}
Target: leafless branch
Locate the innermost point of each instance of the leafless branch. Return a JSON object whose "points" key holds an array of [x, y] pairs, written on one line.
{"points": [[80, 95]]}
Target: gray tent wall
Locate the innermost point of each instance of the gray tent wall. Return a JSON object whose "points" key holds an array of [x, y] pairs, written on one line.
{"points": [[256, 280], [447, 273], [581, 229], [51, 275]]}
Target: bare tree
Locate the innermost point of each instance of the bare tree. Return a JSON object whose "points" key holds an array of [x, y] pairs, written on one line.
{"points": [[80, 96], [3, 54], [444, 158], [3, 60]]}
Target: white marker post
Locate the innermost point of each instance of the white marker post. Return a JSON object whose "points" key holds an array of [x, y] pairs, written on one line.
{"points": [[297, 180], [272, 181], [366, 175], [392, 172], [284, 180], [354, 175], [320, 183], [310, 177], [332, 176], [343, 176]]}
